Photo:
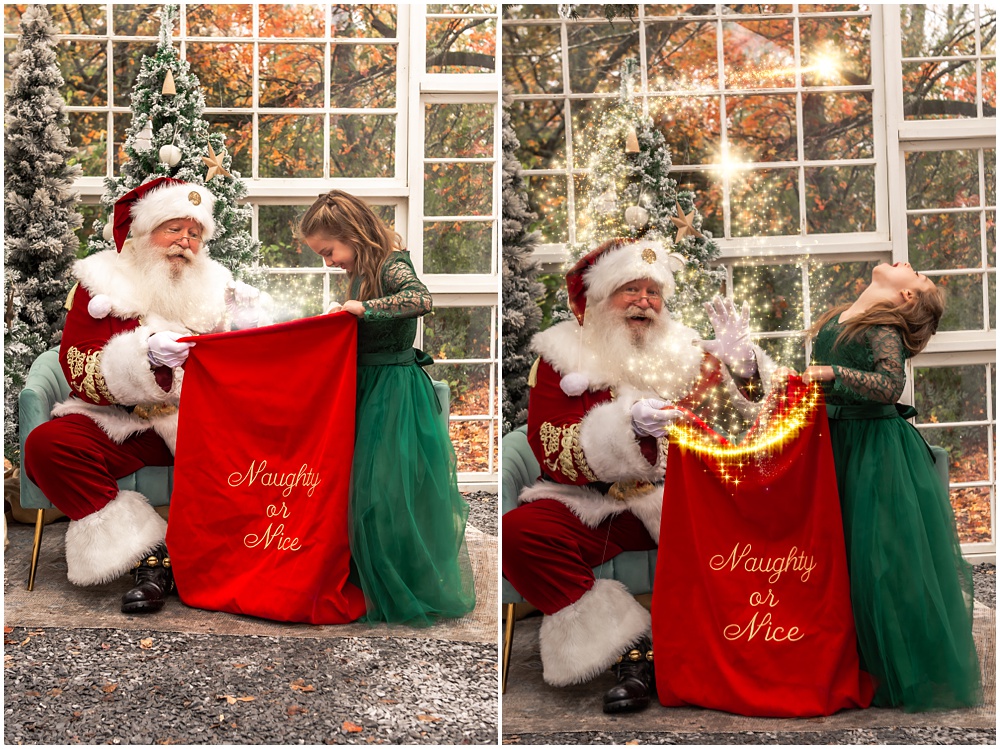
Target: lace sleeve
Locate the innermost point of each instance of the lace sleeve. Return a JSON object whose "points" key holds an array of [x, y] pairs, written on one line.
{"points": [[885, 384], [406, 295]]}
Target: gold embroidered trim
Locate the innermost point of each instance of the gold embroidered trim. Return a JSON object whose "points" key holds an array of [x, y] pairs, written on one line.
{"points": [[93, 384], [563, 452]]}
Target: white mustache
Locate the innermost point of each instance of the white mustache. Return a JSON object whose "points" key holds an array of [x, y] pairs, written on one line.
{"points": [[638, 313]]}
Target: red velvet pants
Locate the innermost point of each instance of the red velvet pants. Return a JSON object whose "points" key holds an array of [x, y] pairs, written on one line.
{"points": [[548, 552], [77, 466]]}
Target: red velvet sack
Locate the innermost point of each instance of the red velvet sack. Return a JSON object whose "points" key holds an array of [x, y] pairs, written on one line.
{"points": [[258, 515], [751, 600]]}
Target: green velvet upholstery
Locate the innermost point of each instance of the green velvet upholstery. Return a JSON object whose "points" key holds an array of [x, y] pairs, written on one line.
{"points": [[633, 568]]}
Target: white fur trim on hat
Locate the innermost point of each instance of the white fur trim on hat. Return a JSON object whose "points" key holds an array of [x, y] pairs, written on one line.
{"points": [[174, 201], [631, 262]]}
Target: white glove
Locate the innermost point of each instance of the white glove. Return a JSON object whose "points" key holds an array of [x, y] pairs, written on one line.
{"points": [[166, 351], [732, 337], [247, 306], [652, 417], [334, 307]]}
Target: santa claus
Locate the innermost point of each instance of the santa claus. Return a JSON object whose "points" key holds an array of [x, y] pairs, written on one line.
{"points": [[601, 402], [122, 358]]}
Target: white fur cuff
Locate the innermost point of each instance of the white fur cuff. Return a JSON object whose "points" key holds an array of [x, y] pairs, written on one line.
{"points": [[126, 370], [105, 544], [586, 637], [611, 447]]}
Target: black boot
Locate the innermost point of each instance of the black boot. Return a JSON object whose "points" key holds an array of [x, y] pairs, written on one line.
{"points": [[634, 670], [153, 580]]}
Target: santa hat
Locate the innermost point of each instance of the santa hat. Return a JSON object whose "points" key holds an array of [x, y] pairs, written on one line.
{"points": [[143, 209], [597, 275]]}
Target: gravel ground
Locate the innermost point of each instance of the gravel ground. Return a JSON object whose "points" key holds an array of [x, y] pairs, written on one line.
{"points": [[482, 511], [100, 686], [984, 576], [67, 686]]}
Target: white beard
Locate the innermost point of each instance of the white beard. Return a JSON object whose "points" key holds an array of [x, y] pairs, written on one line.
{"points": [[191, 293], [659, 360]]}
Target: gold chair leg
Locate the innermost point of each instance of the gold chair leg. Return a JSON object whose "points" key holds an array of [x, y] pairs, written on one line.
{"points": [[508, 639], [39, 524]]}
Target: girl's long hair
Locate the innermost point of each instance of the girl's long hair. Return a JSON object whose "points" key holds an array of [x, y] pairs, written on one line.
{"points": [[348, 219], [916, 320]]}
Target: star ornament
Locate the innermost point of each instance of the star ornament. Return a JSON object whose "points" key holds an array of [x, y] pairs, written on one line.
{"points": [[685, 224], [214, 163]]}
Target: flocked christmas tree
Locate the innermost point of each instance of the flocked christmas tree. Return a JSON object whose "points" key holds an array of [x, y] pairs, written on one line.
{"points": [[39, 210], [521, 290], [169, 138], [629, 193]]}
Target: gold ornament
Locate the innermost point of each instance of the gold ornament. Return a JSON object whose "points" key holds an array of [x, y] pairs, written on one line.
{"points": [[631, 141], [194, 197], [214, 164], [169, 89], [685, 224], [636, 216], [648, 255]]}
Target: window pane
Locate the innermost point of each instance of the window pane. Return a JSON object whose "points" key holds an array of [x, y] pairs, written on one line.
{"points": [[765, 203], [786, 352], [547, 198], [362, 145], [949, 394], [280, 247], [128, 58], [67, 18], [225, 71], [461, 45], [758, 54], [458, 189], [458, 130], [291, 146], [458, 246], [964, 302], [142, 19], [470, 387], [972, 510], [541, 132], [595, 55], [350, 20], [532, 59], [682, 56], [988, 30], [295, 295], [939, 90], [691, 126], [837, 126], [457, 333], [992, 284], [88, 132], [531, 11], [363, 75], [990, 164], [291, 75], [942, 179], [756, 8], [989, 88], [234, 19], [84, 68], [762, 128], [945, 241], [292, 20], [584, 112], [123, 121], [836, 51], [238, 132], [833, 284], [774, 293], [937, 30], [840, 199]]}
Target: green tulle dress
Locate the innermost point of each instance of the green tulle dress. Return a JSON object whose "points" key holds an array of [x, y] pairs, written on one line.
{"points": [[407, 516], [910, 588]]}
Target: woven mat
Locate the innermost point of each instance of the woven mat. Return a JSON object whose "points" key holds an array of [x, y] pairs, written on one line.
{"points": [[55, 602], [531, 706]]}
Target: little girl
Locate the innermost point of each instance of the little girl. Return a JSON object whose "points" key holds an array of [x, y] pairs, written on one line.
{"points": [[910, 588], [407, 516]]}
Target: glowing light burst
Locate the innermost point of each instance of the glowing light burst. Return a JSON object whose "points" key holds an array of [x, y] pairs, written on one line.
{"points": [[779, 427]]}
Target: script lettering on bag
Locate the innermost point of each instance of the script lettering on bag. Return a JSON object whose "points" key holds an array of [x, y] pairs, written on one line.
{"points": [[762, 622], [275, 534], [304, 477]]}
